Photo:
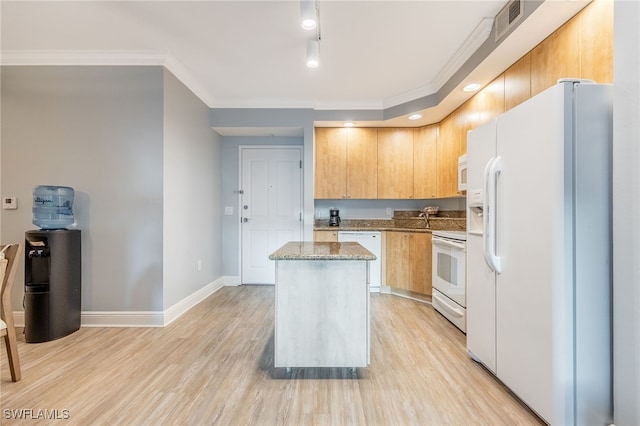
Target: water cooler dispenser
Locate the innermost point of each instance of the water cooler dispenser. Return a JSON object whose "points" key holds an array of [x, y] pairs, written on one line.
{"points": [[52, 296]]}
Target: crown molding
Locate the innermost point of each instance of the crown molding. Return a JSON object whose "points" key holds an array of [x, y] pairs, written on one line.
{"points": [[109, 58], [165, 59], [478, 36], [82, 57]]}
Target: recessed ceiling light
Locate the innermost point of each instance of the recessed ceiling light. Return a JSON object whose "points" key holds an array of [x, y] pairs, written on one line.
{"points": [[415, 116], [471, 87], [349, 124]]}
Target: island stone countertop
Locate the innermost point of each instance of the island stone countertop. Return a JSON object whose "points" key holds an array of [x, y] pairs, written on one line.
{"points": [[300, 250]]}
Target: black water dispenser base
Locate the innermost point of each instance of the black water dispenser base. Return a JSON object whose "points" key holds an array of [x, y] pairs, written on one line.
{"points": [[52, 294]]}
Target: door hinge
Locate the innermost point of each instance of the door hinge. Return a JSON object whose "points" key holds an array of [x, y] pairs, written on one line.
{"points": [[239, 191], [300, 216], [300, 163]]}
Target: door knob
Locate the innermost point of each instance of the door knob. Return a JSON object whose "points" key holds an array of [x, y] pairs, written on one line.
{"points": [[245, 220]]}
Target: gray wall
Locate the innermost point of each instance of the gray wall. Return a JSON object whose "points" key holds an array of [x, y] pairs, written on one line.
{"points": [[102, 131], [192, 190], [230, 184], [99, 130], [626, 213], [299, 119]]}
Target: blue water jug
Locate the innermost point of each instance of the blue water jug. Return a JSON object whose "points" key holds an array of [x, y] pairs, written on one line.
{"points": [[53, 206]]}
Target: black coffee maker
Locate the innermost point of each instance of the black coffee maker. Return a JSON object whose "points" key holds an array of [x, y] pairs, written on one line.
{"points": [[334, 217]]}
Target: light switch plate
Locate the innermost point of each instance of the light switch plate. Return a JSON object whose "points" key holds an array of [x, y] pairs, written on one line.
{"points": [[228, 210], [9, 203]]}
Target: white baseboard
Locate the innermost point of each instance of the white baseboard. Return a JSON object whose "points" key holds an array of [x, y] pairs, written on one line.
{"points": [[189, 302], [18, 318], [122, 319], [145, 318], [110, 319]]}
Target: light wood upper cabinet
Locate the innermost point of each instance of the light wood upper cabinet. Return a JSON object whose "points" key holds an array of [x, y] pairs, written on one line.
{"points": [[331, 163], [596, 41], [408, 261], [517, 82], [558, 56], [395, 165], [425, 171], [346, 163], [581, 48], [488, 103], [362, 163], [448, 144]]}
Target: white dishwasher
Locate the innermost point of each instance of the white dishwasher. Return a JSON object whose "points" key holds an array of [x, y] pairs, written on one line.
{"points": [[372, 241]]}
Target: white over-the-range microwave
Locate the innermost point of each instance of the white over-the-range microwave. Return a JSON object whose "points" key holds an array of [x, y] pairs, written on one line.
{"points": [[462, 173]]}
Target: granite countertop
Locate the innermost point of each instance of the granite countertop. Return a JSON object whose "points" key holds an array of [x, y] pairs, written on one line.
{"points": [[299, 250]]}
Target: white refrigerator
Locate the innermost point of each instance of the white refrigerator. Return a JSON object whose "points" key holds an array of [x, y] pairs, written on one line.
{"points": [[539, 252]]}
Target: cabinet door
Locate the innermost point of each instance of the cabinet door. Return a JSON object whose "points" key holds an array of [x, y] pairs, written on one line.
{"points": [[395, 165], [556, 57], [397, 260], [517, 82], [362, 163], [420, 263], [329, 236], [447, 144], [424, 162], [330, 176]]}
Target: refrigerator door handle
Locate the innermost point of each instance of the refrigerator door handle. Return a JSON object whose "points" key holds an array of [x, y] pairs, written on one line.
{"points": [[486, 213], [494, 169]]}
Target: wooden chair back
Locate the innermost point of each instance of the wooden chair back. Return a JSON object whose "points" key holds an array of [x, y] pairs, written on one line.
{"points": [[8, 268]]}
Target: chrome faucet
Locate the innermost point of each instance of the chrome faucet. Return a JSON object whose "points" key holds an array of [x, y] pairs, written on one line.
{"points": [[426, 216]]}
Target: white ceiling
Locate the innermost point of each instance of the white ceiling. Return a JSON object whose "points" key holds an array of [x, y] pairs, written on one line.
{"points": [[251, 54]]}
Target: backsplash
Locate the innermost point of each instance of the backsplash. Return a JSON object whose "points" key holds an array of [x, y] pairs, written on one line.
{"points": [[383, 209], [448, 220], [452, 220]]}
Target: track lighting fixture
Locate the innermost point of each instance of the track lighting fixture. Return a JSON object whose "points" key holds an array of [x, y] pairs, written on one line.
{"points": [[309, 14], [313, 53]]}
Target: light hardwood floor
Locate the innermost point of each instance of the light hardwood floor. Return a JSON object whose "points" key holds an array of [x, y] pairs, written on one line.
{"points": [[214, 365]]}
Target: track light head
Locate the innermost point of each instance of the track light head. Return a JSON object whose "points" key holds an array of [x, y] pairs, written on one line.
{"points": [[313, 54], [309, 14]]}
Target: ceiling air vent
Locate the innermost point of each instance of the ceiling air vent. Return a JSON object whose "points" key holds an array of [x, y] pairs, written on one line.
{"points": [[508, 17]]}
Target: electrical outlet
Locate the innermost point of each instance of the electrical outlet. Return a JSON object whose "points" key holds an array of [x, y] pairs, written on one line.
{"points": [[389, 211], [199, 265], [228, 210]]}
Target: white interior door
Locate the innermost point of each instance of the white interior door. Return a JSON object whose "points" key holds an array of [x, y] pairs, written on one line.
{"points": [[270, 209]]}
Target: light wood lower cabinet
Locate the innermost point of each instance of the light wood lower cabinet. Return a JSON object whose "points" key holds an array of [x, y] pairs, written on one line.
{"points": [[329, 236], [408, 261]]}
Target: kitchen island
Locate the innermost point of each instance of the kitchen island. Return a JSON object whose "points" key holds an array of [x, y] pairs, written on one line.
{"points": [[322, 305]]}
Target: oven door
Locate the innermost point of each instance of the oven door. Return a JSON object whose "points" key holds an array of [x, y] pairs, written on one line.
{"points": [[449, 275]]}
